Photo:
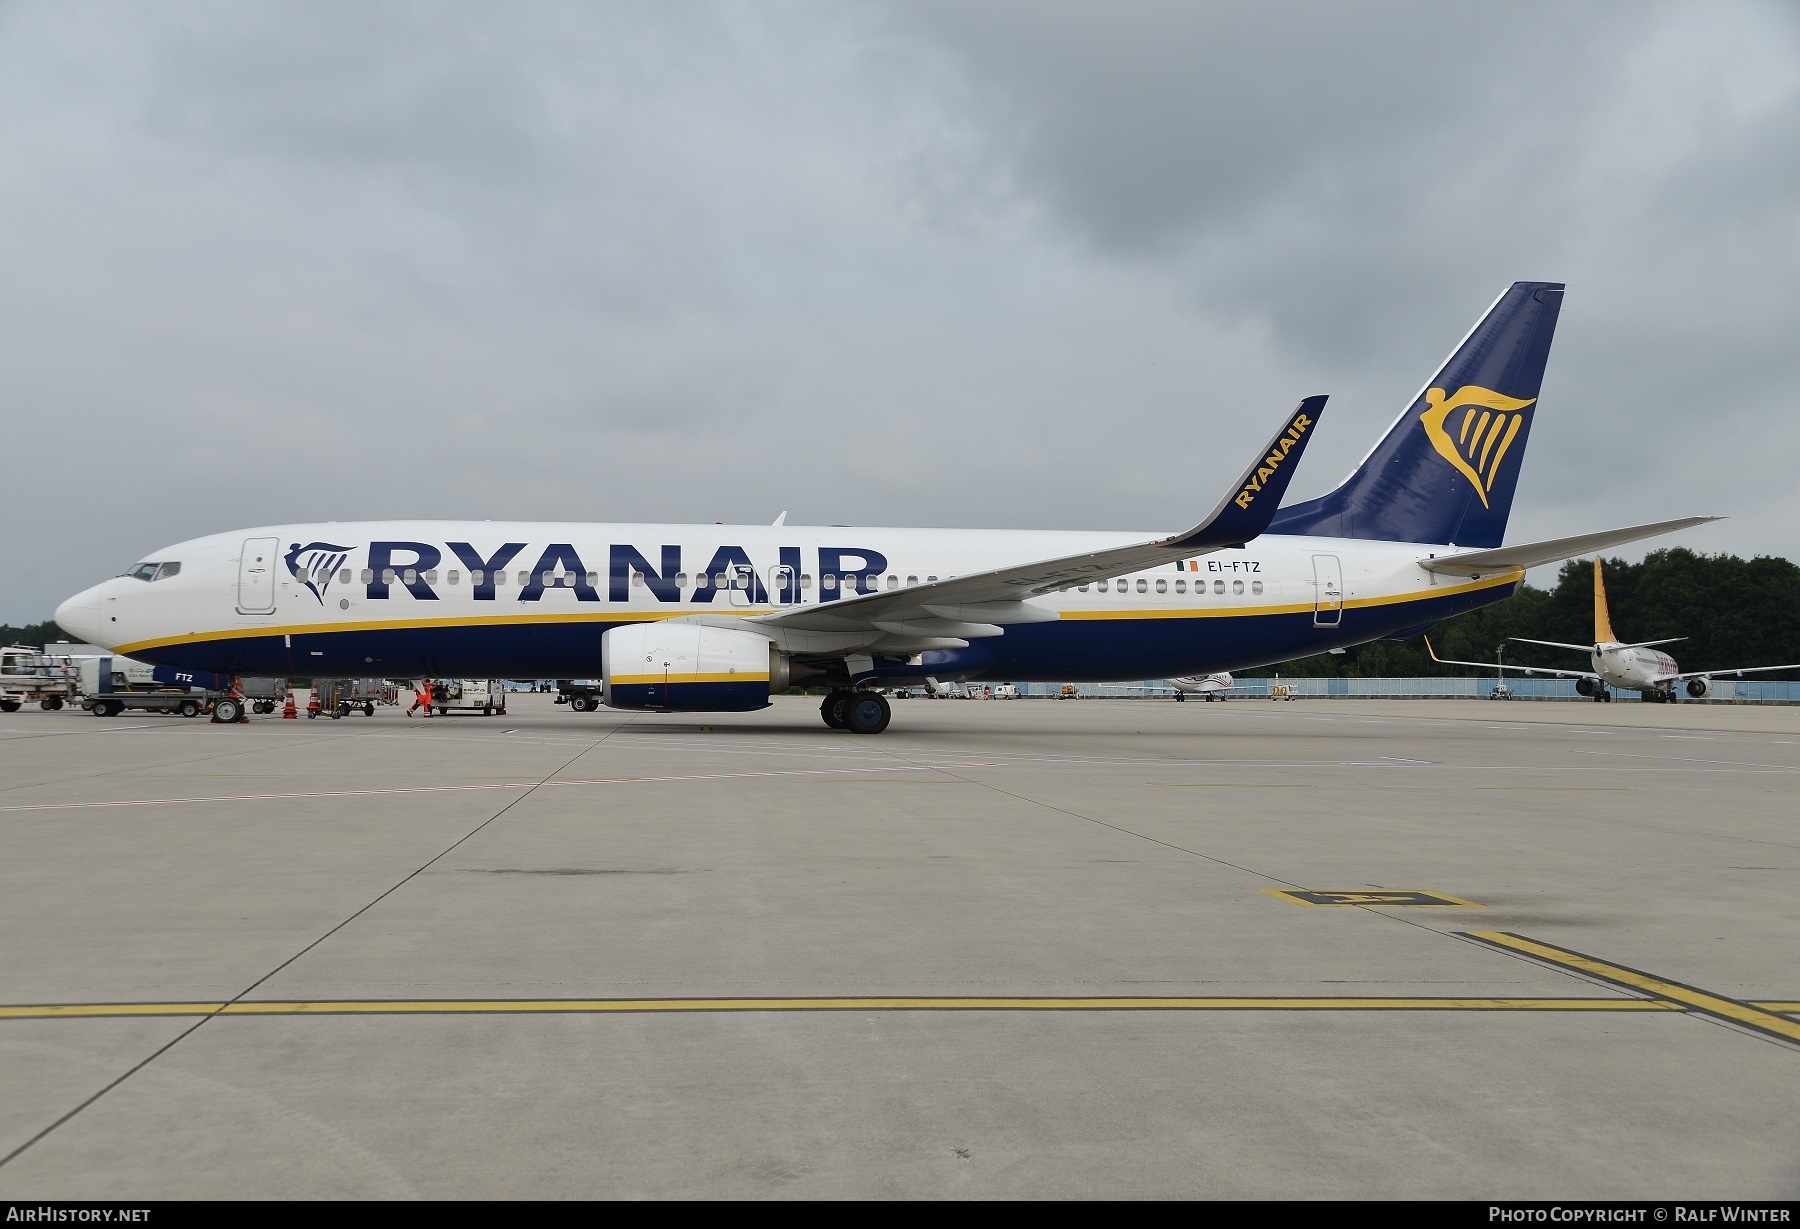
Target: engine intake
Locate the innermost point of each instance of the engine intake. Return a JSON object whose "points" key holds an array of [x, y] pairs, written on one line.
{"points": [[1699, 688], [1586, 686], [688, 667]]}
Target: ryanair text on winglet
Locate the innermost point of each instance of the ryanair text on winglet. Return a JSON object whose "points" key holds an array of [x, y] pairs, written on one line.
{"points": [[1290, 439]]}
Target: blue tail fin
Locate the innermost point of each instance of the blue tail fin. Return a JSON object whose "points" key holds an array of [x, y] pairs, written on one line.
{"points": [[1445, 472]]}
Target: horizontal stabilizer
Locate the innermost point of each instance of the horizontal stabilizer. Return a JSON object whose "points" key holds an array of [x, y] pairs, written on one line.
{"points": [[1533, 554]]}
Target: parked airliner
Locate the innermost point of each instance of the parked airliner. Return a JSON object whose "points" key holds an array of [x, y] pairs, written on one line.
{"points": [[1211, 687], [719, 618], [1629, 667]]}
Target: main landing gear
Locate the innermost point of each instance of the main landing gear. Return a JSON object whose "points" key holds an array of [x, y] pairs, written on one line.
{"points": [[859, 712]]}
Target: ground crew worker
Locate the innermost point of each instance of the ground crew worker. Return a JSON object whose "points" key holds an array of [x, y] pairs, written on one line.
{"points": [[421, 695]]}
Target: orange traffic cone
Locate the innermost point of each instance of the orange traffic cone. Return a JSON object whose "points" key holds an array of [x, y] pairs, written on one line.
{"points": [[288, 712]]}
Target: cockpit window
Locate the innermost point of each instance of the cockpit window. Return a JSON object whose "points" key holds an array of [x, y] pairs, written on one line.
{"points": [[154, 571]]}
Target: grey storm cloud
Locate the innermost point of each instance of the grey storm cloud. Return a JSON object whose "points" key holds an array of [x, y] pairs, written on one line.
{"points": [[972, 263]]}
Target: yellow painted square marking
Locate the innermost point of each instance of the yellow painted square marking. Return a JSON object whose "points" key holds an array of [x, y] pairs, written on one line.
{"points": [[1377, 897]]}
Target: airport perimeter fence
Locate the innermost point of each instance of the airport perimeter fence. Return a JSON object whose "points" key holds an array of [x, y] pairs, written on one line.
{"points": [[1725, 691]]}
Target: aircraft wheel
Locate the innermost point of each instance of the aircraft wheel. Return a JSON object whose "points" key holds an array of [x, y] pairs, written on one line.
{"points": [[1180, 697], [227, 711], [866, 712], [1606, 697], [832, 709]]}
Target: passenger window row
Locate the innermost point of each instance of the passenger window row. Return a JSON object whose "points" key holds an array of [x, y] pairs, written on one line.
{"points": [[1125, 585], [477, 576]]}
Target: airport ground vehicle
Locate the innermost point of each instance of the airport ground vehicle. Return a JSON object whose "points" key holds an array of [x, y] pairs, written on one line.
{"points": [[110, 685], [484, 696], [28, 674], [581, 695], [265, 695], [341, 697]]}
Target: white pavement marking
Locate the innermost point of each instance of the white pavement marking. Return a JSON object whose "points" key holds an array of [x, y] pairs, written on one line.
{"points": [[1688, 759], [442, 789]]}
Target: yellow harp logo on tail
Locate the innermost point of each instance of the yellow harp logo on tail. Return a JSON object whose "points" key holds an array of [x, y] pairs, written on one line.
{"points": [[1490, 422]]}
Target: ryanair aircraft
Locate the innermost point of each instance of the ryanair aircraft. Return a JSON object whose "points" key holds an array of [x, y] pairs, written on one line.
{"points": [[1639, 667], [719, 618]]}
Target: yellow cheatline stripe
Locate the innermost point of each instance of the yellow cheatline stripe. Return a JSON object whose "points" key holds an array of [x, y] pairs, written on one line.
{"points": [[1748, 1014], [631, 680], [876, 1003], [646, 616], [1355, 603]]}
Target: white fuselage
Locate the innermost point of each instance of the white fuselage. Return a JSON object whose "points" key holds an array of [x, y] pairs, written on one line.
{"points": [[1212, 684], [492, 599], [1632, 669]]}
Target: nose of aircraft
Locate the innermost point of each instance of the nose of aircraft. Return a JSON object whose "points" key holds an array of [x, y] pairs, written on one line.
{"points": [[80, 616]]}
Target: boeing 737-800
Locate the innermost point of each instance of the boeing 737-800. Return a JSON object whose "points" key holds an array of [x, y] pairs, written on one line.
{"points": [[719, 618], [1636, 667]]}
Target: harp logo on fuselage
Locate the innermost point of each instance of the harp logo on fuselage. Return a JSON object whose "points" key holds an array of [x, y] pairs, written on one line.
{"points": [[314, 565]]}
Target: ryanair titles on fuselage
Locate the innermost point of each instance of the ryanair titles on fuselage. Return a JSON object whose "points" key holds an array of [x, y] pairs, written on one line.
{"points": [[413, 566]]}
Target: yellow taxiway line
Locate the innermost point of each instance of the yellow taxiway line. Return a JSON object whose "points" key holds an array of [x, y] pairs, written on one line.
{"points": [[1755, 1016], [330, 1007]]}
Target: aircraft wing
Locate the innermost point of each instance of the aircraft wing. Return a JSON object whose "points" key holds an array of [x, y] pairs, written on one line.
{"points": [[1494, 665], [981, 603], [1720, 674], [1533, 554]]}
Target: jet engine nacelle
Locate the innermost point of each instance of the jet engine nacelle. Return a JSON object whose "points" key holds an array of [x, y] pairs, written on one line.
{"points": [[687, 667], [1699, 688], [1586, 686]]}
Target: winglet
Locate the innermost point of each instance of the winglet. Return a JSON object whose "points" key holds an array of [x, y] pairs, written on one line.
{"points": [[1251, 505]]}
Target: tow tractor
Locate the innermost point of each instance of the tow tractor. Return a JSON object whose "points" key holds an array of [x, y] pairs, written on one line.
{"points": [[582, 695]]}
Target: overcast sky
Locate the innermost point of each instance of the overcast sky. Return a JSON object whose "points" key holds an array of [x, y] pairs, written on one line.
{"points": [[986, 264]]}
